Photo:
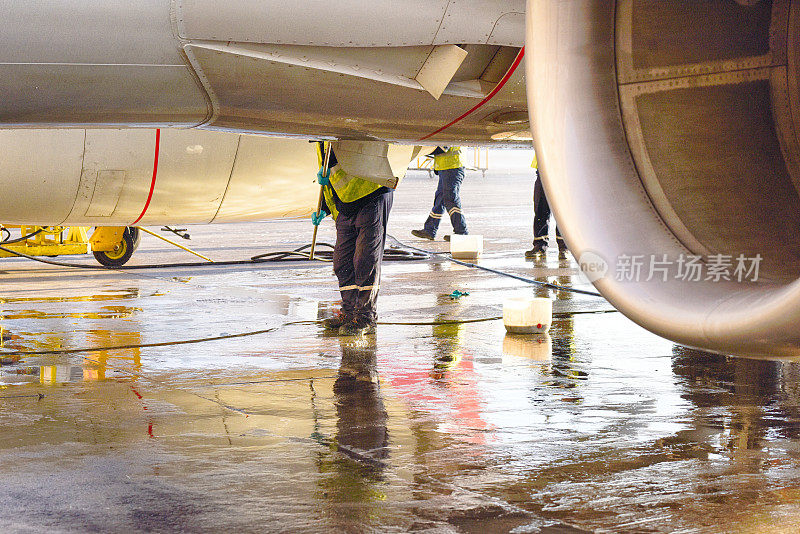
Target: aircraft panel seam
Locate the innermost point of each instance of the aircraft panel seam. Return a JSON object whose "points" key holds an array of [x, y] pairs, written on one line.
{"points": [[211, 96], [77, 191], [230, 179], [441, 21]]}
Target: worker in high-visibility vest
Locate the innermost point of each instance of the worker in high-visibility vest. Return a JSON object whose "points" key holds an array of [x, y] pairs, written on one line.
{"points": [[541, 220], [448, 165], [361, 211]]}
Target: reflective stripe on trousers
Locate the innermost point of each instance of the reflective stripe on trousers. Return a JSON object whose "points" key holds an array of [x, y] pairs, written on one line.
{"points": [[448, 198], [360, 240]]}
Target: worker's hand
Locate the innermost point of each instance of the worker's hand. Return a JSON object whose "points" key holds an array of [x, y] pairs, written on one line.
{"points": [[316, 218], [323, 179]]}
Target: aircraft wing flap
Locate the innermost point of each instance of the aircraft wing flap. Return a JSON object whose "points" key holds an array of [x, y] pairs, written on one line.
{"points": [[440, 67], [301, 94]]}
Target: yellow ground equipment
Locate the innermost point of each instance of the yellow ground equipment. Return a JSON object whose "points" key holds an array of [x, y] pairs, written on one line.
{"points": [[111, 245], [46, 241]]}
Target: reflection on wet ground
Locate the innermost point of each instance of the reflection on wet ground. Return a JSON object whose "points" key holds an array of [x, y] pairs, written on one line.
{"points": [[427, 426]]}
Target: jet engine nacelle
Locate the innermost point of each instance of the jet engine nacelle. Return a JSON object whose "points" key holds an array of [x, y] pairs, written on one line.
{"points": [[668, 130], [109, 177]]}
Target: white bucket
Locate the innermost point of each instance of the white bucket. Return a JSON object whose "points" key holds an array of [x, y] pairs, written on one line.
{"points": [[466, 247], [527, 315]]}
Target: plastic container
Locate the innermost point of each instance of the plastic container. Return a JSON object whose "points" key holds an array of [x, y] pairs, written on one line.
{"points": [[466, 247], [527, 315]]}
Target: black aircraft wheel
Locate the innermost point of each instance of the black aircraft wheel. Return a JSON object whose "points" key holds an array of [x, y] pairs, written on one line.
{"points": [[123, 251]]}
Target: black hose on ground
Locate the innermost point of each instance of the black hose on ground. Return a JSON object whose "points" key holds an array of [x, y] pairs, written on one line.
{"points": [[324, 252], [410, 253], [221, 337], [531, 281], [58, 263], [391, 254]]}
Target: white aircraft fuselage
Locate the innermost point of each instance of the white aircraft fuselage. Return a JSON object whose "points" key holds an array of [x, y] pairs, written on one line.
{"points": [[346, 69]]}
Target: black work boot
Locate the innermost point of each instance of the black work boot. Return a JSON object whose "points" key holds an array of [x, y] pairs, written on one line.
{"points": [[422, 234], [562, 248], [337, 321], [539, 249], [358, 326]]}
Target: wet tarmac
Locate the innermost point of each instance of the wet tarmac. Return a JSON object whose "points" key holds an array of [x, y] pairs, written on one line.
{"points": [[207, 400]]}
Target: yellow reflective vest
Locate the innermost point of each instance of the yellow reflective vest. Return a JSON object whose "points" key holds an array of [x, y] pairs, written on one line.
{"points": [[348, 188], [451, 159]]}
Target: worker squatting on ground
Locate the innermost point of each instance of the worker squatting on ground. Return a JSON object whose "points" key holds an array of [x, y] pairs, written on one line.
{"points": [[450, 168], [541, 220], [361, 211]]}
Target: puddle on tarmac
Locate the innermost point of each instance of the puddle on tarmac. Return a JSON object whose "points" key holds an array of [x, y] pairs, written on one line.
{"points": [[115, 294], [106, 312], [597, 426], [61, 374]]}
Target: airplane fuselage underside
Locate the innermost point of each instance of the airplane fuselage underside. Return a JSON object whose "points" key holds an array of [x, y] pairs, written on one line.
{"points": [[350, 69]]}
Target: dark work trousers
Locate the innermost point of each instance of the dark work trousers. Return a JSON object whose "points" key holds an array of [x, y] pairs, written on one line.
{"points": [[447, 198], [360, 239], [541, 214]]}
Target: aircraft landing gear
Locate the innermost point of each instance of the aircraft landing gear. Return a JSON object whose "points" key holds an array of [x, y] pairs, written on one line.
{"points": [[113, 246]]}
